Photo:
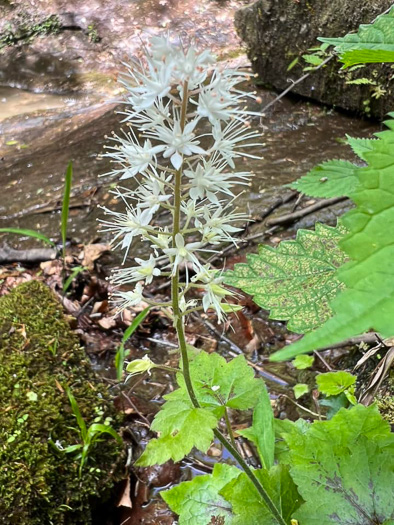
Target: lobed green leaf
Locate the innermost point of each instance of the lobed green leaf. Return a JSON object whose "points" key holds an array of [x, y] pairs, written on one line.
{"points": [[334, 178], [181, 428], [343, 469], [197, 501], [247, 504], [373, 43]]}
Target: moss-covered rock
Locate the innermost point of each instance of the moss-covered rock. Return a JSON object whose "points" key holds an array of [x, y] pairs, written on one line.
{"points": [[39, 358]]}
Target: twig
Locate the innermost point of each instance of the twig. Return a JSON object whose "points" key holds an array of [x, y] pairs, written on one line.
{"points": [[314, 414], [279, 202], [369, 338], [294, 83], [236, 350], [133, 406], [317, 354], [289, 217]]}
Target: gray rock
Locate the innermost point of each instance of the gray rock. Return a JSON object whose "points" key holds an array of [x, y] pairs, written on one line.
{"points": [[278, 31]]}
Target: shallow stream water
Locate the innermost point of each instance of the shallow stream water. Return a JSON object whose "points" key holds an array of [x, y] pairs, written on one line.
{"points": [[41, 133]]}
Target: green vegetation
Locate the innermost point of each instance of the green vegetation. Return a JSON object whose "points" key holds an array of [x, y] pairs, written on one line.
{"points": [[373, 43], [28, 29], [367, 299], [326, 472], [39, 482]]}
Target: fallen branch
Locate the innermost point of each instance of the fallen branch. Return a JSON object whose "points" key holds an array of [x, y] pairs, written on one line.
{"points": [[295, 216], [34, 255]]}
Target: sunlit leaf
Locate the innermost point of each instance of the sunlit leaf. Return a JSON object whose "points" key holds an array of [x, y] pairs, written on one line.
{"points": [[247, 505], [181, 428], [301, 362], [373, 43], [334, 178], [334, 383]]}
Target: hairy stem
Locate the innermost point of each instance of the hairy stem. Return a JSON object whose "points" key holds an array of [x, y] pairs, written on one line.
{"points": [[178, 322]]}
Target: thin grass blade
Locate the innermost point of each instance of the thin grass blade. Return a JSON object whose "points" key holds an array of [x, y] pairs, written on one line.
{"points": [[78, 415], [28, 233], [120, 354], [66, 204]]}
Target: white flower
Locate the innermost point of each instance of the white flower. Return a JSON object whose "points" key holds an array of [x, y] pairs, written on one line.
{"points": [[161, 48], [186, 305], [150, 118], [133, 157], [177, 142], [192, 67], [161, 240], [232, 137], [148, 85], [125, 300], [183, 253], [151, 194], [146, 270], [207, 179], [213, 294], [217, 226], [127, 225]]}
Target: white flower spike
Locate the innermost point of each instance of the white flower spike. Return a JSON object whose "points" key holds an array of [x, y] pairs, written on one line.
{"points": [[186, 131]]}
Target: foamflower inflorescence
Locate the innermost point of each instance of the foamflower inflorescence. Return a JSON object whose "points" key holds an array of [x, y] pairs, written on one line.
{"points": [[171, 94]]}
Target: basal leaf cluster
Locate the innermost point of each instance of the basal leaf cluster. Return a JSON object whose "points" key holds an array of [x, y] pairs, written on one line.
{"points": [[218, 385]]}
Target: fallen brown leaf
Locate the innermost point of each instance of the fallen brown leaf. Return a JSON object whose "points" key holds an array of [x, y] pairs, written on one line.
{"points": [[125, 500], [91, 253]]}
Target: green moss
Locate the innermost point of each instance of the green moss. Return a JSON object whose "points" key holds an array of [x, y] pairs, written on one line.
{"points": [[26, 29], [39, 357], [386, 407]]}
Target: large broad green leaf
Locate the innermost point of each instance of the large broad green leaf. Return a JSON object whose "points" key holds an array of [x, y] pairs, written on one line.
{"points": [[334, 178], [247, 505], [373, 43], [367, 302], [297, 280], [262, 432], [344, 469], [360, 146], [219, 384], [181, 428], [197, 501]]}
